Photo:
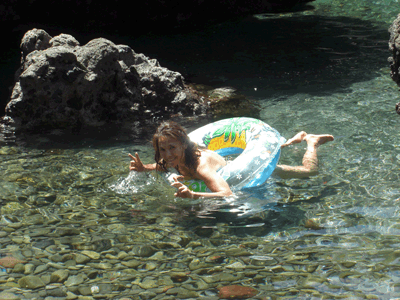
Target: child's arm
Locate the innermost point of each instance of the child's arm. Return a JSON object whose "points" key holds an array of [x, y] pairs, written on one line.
{"points": [[216, 184], [138, 166]]}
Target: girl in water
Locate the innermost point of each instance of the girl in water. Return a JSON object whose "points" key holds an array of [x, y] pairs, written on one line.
{"points": [[173, 148]]}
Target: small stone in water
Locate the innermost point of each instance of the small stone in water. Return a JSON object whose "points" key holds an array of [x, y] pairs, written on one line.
{"points": [[8, 296], [166, 288], [148, 283], [29, 268], [179, 276], [71, 296], [348, 264], [59, 276], [31, 282], [10, 262], [102, 266], [74, 280], [251, 245], [215, 259], [91, 254], [144, 251], [121, 255], [19, 268], [150, 266], [40, 269], [85, 291], [81, 259], [133, 263], [56, 258], [236, 265], [312, 224], [236, 292]]}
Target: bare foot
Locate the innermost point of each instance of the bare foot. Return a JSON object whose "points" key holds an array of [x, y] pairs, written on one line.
{"points": [[298, 138], [317, 140]]}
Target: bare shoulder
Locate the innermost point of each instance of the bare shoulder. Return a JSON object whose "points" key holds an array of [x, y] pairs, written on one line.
{"points": [[210, 161]]}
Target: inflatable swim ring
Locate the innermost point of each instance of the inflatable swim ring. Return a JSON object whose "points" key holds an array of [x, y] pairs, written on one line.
{"points": [[258, 144]]}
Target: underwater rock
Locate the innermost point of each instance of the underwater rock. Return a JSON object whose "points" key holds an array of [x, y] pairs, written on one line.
{"points": [[182, 293], [18, 268], [237, 292], [75, 280], [227, 101], [62, 84], [59, 276], [9, 296], [133, 263], [10, 262], [394, 47], [31, 282], [91, 254], [143, 250]]}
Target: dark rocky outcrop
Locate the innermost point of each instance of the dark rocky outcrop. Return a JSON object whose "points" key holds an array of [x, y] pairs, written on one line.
{"points": [[86, 20], [62, 84], [394, 47]]}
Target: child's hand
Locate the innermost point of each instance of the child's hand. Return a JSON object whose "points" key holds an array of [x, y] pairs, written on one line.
{"points": [[136, 163], [183, 191], [175, 177]]}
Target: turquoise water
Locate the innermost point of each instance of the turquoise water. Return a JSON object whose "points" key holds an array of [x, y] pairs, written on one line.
{"points": [[322, 70]]}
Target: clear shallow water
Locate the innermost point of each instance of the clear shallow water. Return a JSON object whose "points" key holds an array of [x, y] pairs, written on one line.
{"points": [[322, 71]]}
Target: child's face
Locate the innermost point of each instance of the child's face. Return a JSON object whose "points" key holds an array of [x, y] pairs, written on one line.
{"points": [[171, 150]]}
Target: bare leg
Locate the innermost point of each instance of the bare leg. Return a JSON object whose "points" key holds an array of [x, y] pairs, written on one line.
{"points": [[310, 159], [298, 138]]}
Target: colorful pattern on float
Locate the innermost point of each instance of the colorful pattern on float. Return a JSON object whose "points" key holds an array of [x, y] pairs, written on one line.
{"points": [[229, 134], [257, 144]]}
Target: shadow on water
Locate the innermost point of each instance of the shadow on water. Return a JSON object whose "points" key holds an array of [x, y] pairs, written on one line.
{"points": [[256, 212], [136, 133], [313, 54], [272, 208], [271, 217]]}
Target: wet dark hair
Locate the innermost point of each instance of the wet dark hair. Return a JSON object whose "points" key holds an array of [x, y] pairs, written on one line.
{"points": [[174, 130]]}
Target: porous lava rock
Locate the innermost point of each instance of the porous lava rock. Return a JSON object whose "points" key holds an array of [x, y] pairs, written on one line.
{"points": [[394, 47], [62, 84]]}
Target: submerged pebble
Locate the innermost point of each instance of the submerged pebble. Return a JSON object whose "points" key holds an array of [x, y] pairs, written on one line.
{"points": [[31, 282], [236, 292]]}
